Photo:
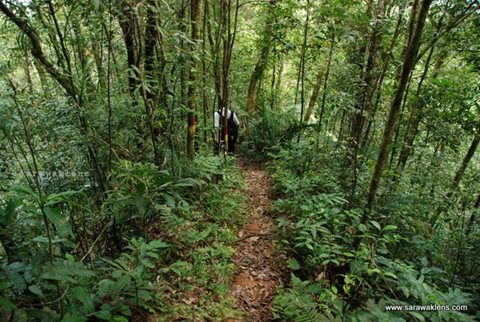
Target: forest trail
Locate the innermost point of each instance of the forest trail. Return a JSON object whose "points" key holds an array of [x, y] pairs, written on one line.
{"points": [[257, 265]]}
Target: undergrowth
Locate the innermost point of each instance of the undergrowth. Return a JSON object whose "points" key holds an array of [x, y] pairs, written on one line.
{"points": [[346, 268], [174, 237]]}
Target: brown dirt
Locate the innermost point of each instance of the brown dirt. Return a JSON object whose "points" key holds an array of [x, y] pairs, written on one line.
{"points": [[257, 255]]}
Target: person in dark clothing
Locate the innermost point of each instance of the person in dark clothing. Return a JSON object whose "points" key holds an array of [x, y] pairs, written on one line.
{"points": [[231, 131]]}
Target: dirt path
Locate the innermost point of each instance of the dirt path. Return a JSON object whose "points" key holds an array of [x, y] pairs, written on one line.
{"points": [[257, 257]]}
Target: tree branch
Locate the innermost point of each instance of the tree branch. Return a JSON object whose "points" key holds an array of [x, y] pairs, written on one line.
{"points": [[37, 50]]}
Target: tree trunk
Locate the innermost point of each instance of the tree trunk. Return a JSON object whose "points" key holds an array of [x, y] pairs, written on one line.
{"points": [[325, 82], [37, 51], [408, 64], [150, 92], [191, 102], [466, 160], [459, 174], [126, 20], [230, 19], [380, 81], [416, 113], [64, 80], [471, 221], [301, 71], [214, 40], [315, 92], [261, 64], [370, 78]]}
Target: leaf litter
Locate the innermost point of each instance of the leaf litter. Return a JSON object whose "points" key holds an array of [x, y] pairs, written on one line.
{"points": [[258, 260]]}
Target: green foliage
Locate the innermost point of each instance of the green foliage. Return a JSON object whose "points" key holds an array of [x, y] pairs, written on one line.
{"points": [[301, 302], [267, 130], [348, 267], [131, 277], [190, 225], [92, 139]]}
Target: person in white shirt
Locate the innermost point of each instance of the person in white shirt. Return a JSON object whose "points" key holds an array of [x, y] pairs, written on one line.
{"points": [[231, 130]]}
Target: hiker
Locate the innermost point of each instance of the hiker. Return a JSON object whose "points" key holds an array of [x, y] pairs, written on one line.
{"points": [[232, 128]]}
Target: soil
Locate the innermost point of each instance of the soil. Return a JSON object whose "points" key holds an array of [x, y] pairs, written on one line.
{"points": [[257, 259]]}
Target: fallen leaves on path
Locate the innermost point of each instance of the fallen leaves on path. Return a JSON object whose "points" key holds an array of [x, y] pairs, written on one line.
{"points": [[257, 256]]}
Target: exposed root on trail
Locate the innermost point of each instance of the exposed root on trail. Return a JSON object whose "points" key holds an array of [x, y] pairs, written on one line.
{"points": [[258, 268]]}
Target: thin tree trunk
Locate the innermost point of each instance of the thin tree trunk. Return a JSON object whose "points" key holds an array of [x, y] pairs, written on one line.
{"points": [[231, 20], [416, 112], [314, 97], [37, 51], [380, 81], [151, 65], [408, 65], [301, 72], [364, 105], [64, 80], [459, 174], [195, 20], [325, 82], [261, 64], [370, 78], [471, 221], [466, 160], [204, 72], [215, 52]]}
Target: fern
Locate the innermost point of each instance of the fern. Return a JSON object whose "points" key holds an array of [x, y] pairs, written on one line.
{"points": [[301, 303], [66, 271]]}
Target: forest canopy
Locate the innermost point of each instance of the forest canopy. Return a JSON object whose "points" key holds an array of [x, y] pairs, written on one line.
{"points": [[115, 204]]}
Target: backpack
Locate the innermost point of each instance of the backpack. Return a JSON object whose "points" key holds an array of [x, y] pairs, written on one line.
{"points": [[232, 127]]}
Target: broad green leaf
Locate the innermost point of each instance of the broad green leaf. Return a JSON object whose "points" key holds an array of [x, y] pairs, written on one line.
{"points": [[55, 198], [373, 271], [96, 4], [390, 274], [84, 297], [103, 315], [145, 295], [376, 224], [35, 290], [406, 291], [147, 262], [56, 217], [119, 318], [421, 278], [389, 227], [7, 304], [159, 244], [24, 190], [293, 264], [4, 286]]}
